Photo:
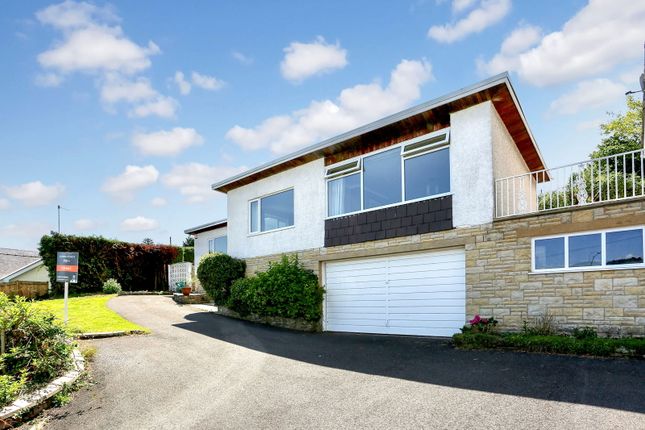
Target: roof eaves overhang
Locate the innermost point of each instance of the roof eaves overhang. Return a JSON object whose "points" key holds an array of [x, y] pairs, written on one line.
{"points": [[500, 79]]}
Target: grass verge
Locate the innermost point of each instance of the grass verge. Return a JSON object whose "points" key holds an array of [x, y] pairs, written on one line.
{"points": [[555, 344], [89, 314]]}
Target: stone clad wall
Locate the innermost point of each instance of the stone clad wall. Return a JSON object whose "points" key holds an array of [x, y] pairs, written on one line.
{"points": [[498, 266]]}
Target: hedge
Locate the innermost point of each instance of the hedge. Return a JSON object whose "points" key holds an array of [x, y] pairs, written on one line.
{"points": [[185, 254], [134, 266], [286, 289]]}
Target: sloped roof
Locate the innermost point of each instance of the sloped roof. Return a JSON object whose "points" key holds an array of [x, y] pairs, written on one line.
{"points": [[497, 89], [15, 259], [205, 227]]}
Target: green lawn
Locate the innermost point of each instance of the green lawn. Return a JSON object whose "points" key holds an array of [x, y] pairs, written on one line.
{"points": [[89, 314]]}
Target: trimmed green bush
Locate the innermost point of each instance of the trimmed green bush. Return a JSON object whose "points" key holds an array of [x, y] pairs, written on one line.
{"points": [[111, 286], [34, 347], [216, 274], [554, 344], [136, 266], [287, 289]]}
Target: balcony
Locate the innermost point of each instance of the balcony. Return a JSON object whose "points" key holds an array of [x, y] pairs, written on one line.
{"points": [[607, 179]]}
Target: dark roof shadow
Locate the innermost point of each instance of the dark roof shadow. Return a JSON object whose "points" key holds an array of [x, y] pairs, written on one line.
{"points": [[610, 383]]}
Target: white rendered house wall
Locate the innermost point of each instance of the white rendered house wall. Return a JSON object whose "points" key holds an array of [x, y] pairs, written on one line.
{"points": [[201, 241], [309, 198]]}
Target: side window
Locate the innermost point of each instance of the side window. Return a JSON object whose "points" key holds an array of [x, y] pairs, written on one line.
{"points": [[271, 212]]}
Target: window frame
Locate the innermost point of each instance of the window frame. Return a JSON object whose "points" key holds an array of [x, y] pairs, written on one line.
{"points": [[212, 240], [416, 152], [259, 200], [603, 248]]}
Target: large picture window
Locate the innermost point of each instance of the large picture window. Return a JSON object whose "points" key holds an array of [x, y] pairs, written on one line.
{"points": [[594, 250], [271, 212], [413, 170]]}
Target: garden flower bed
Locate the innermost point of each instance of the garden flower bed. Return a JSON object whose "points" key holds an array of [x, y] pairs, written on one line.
{"points": [[542, 336]]}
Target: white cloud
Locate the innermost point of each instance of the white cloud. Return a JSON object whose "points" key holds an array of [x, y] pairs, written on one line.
{"points": [[85, 224], [69, 15], [92, 42], [206, 82], [590, 124], [194, 180], [488, 13], [35, 193], [354, 106], [48, 80], [167, 142], [158, 202], [462, 5], [123, 186], [182, 83], [116, 89], [139, 223], [588, 95], [241, 58], [98, 49], [303, 60], [4, 204], [600, 36], [162, 106]]}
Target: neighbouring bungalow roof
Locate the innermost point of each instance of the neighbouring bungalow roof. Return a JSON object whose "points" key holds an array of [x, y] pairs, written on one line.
{"points": [[205, 227], [12, 260], [497, 89]]}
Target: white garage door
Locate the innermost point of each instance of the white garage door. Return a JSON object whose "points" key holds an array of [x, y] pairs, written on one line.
{"points": [[415, 293]]}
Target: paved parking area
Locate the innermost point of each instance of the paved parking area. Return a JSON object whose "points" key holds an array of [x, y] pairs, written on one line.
{"points": [[199, 370]]}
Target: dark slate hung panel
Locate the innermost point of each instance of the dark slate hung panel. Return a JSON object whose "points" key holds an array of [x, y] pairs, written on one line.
{"points": [[403, 220]]}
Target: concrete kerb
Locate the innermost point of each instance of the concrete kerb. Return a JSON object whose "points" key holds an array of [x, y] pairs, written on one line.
{"points": [[104, 334], [39, 397]]}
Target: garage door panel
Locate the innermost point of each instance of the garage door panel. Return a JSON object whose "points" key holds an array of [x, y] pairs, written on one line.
{"points": [[415, 293], [425, 295], [405, 310]]}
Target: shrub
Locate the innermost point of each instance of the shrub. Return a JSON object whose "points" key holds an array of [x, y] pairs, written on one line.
{"points": [[216, 274], [245, 296], [34, 347], [286, 289], [584, 333], [111, 286], [136, 266], [544, 325], [185, 254], [480, 325]]}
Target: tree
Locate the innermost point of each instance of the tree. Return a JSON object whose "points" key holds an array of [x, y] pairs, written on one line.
{"points": [[189, 241], [611, 178], [148, 241], [622, 133]]}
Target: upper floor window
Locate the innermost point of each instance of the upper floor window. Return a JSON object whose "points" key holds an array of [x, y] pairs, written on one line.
{"points": [[218, 244], [271, 212], [589, 250], [413, 170]]}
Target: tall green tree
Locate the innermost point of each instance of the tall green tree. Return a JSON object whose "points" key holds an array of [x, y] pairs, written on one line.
{"points": [[622, 132], [189, 241]]}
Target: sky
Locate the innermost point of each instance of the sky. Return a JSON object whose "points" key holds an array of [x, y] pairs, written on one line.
{"points": [[124, 113]]}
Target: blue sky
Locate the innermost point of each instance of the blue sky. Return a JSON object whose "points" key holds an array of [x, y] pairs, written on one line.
{"points": [[125, 112]]}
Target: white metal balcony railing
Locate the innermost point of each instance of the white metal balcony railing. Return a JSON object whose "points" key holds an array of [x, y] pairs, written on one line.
{"points": [[615, 177]]}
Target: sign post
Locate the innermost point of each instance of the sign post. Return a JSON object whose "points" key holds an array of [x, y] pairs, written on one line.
{"points": [[66, 271]]}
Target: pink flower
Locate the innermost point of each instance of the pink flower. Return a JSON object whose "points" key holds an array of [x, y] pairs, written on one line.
{"points": [[475, 320]]}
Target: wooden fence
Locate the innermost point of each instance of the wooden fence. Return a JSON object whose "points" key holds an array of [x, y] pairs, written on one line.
{"points": [[29, 289]]}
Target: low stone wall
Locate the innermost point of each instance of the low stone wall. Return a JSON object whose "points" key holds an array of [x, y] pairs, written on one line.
{"points": [[499, 281], [29, 289], [292, 324]]}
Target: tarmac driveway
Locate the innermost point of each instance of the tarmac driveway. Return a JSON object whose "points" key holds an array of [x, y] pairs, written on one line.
{"points": [[199, 370]]}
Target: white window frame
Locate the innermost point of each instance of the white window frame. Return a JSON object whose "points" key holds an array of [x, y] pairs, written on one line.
{"points": [[603, 248], [416, 152], [259, 200]]}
